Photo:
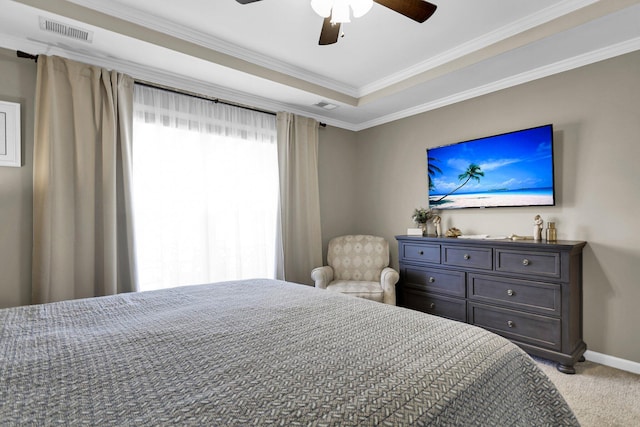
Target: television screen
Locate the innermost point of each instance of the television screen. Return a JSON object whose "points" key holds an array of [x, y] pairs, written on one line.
{"points": [[511, 169]]}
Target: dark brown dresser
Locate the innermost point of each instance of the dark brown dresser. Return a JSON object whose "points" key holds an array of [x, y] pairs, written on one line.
{"points": [[529, 292]]}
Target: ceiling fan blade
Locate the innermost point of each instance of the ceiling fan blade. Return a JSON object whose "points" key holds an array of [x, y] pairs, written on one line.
{"points": [[246, 1], [329, 33], [418, 10]]}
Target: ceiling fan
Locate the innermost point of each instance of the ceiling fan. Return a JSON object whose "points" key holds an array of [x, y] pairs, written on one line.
{"points": [[336, 12]]}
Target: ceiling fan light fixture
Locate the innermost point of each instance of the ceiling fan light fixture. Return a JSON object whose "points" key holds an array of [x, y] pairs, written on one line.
{"points": [[322, 7], [340, 12], [361, 7], [339, 9]]}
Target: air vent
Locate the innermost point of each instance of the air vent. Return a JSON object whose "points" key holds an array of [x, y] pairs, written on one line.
{"points": [[326, 105], [65, 30]]}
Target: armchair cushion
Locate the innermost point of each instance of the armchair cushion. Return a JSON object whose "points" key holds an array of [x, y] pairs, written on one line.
{"points": [[358, 257], [362, 289]]}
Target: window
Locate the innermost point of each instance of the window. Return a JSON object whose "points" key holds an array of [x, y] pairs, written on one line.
{"points": [[205, 190]]}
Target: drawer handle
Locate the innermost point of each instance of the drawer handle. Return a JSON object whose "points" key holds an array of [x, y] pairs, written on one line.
{"points": [[510, 323], [432, 279], [467, 256], [510, 292], [525, 262], [432, 305], [420, 252]]}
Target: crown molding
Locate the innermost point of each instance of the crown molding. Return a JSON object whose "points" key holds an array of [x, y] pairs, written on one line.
{"points": [[162, 77], [528, 76], [505, 32], [122, 27], [213, 43], [587, 14], [182, 32], [180, 82]]}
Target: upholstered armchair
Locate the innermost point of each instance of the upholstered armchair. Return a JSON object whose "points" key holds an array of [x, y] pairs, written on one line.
{"points": [[358, 266]]}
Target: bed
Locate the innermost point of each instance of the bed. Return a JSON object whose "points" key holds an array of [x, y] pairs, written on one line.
{"points": [[261, 352]]}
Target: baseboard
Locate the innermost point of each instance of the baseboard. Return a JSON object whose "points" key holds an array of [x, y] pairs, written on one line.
{"points": [[612, 361]]}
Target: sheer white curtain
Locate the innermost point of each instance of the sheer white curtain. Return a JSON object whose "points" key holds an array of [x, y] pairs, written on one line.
{"points": [[205, 190]]}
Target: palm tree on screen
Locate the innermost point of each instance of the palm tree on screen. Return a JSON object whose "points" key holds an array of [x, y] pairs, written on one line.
{"points": [[473, 172], [432, 169]]}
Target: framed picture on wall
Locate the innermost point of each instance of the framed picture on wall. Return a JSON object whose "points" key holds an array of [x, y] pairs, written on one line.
{"points": [[10, 147]]}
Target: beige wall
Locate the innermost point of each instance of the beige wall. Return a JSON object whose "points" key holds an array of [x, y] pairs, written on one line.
{"points": [[337, 153], [17, 84], [595, 111]]}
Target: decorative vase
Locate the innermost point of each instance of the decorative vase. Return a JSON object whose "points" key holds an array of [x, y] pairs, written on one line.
{"points": [[423, 226]]}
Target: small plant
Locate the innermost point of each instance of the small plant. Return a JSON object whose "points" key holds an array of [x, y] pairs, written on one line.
{"points": [[422, 215]]}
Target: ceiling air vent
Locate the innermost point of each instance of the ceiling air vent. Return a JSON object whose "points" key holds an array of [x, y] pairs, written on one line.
{"points": [[326, 105], [65, 30]]}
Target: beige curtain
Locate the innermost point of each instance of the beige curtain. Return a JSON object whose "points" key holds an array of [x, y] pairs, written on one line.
{"points": [[299, 237], [83, 237]]}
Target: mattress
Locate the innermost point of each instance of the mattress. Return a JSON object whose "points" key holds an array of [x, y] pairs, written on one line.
{"points": [[261, 352]]}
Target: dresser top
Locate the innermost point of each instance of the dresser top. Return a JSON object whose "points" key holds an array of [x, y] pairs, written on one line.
{"points": [[523, 244]]}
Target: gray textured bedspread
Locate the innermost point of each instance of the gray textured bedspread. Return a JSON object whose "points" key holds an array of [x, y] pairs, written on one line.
{"points": [[261, 352]]}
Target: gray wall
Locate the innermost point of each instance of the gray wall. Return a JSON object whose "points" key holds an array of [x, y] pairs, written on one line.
{"points": [[17, 84], [595, 111]]}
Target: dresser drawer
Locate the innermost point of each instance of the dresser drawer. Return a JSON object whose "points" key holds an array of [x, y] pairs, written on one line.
{"points": [[468, 257], [538, 297], [543, 264], [451, 308], [533, 329], [420, 253], [436, 280]]}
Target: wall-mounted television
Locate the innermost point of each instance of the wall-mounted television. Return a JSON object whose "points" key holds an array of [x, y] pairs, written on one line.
{"points": [[510, 169]]}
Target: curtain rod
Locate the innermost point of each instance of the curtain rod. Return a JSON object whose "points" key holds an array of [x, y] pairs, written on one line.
{"points": [[21, 54], [26, 55], [196, 95], [206, 98]]}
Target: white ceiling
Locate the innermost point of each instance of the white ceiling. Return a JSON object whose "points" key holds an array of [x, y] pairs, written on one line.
{"points": [[266, 54]]}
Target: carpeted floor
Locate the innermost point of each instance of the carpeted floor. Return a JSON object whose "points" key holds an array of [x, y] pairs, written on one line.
{"points": [[600, 396]]}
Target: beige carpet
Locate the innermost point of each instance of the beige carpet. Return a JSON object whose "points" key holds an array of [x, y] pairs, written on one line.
{"points": [[600, 396]]}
